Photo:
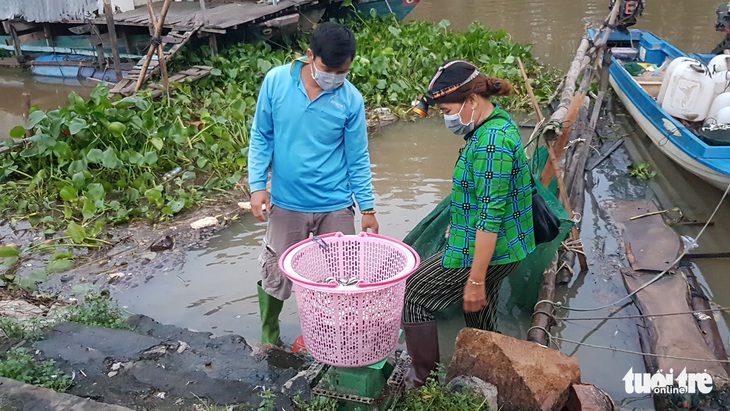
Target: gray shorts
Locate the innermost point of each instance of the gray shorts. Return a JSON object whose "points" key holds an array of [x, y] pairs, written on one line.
{"points": [[287, 228]]}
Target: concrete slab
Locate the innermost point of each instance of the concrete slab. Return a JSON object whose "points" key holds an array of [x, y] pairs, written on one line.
{"points": [[15, 395]]}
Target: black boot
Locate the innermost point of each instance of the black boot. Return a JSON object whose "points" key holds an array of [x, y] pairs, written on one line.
{"points": [[423, 346]]}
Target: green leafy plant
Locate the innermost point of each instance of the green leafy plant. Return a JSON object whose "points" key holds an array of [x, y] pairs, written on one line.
{"points": [[19, 365], [100, 161], [11, 257], [317, 404], [268, 400], [642, 171], [28, 330], [98, 311]]}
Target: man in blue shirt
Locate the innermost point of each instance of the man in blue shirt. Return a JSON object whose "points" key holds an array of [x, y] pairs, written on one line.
{"points": [[310, 129]]}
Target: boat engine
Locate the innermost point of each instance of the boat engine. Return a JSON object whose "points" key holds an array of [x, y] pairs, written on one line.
{"points": [[723, 25], [723, 19], [629, 11]]}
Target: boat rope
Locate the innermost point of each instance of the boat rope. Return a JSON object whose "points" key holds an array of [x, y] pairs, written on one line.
{"points": [[626, 317], [552, 338], [656, 278], [389, 8], [573, 142]]}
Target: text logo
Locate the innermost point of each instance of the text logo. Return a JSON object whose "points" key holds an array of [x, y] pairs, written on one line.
{"points": [[660, 383]]}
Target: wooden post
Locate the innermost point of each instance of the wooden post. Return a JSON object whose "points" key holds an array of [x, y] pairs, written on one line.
{"points": [[100, 59], [542, 317], [152, 49], [203, 18], [566, 203], [160, 51], [213, 42], [26, 111], [48, 34], [113, 37], [16, 43]]}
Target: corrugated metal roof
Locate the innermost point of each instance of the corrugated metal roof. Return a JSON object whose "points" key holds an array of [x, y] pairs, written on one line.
{"points": [[40, 11]]}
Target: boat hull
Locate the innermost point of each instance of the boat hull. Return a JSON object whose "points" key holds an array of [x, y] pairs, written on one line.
{"points": [[672, 138], [73, 67], [659, 138]]}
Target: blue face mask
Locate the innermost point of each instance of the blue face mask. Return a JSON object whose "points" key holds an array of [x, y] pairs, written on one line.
{"points": [[453, 122], [327, 81]]}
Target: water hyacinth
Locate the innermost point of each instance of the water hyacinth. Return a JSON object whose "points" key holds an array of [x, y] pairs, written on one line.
{"points": [[93, 161]]}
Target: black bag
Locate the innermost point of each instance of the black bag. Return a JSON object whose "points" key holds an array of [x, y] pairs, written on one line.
{"points": [[544, 221]]}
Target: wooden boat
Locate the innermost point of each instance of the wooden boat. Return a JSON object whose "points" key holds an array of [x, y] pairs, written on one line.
{"points": [[73, 66], [701, 149]]}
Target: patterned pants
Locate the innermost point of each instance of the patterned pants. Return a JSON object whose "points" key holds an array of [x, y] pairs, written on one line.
{"points": [[433, 288]]}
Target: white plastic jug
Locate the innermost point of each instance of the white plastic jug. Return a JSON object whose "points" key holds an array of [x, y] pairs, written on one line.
{"points": [[720, 102], [668, 76], [721, 80], [689, 92], [719, 63], [723, 116]]}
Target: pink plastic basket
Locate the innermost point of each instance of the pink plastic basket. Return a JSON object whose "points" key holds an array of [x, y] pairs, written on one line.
{"points": [[349, 291]]}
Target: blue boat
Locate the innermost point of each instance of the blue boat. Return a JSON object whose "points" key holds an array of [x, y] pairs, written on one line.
{"points": [[700, 149], [400, 8], [73, 66]]}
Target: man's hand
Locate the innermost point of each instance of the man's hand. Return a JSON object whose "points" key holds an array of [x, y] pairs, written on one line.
{"points": [[260, 204], [369, 221]]}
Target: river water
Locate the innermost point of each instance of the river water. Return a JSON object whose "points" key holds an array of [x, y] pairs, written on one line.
{"points": [[412, 162]]}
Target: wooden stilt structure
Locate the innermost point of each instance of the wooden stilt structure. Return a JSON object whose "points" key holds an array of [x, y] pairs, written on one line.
{"points": [[175, 38], [113, 37], [556, 131]]}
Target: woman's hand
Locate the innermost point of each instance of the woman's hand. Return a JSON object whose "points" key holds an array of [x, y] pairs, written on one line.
{"points": [[475, 297]]}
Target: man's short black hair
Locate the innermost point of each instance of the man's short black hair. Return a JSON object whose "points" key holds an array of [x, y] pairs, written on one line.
{"points": [[333, 43]]}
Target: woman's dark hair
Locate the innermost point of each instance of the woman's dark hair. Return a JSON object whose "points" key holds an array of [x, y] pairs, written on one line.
{"points": [[452, 73], [482, 86], [333, 43]]}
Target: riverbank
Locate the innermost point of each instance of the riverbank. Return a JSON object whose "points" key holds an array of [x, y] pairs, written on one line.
{"points": [[97, 163]]}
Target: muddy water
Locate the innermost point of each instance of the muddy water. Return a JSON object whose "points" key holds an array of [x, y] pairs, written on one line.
{"points": [[47, 93], [555, 27], [215, 289]]}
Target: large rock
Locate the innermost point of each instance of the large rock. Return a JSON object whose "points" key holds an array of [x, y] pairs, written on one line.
{"points": [[588, 397], [528, 376]]}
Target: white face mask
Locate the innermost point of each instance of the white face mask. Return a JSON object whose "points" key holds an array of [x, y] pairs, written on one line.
{"points": [[327, 81], [453, 122]]}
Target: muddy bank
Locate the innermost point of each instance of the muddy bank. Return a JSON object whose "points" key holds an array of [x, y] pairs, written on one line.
{"points": [[162, 367], [141, 250]]}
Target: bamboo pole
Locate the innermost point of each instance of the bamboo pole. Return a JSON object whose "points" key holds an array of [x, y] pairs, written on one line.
{"points": [[542, 317], [561, 186], [113, 38], [26, 112], [575, 183], [152, 49], [160, 51], [530, 93]]}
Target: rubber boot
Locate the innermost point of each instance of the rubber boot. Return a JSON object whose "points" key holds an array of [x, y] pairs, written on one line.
{"points": [[269, 308], [423, 346]]}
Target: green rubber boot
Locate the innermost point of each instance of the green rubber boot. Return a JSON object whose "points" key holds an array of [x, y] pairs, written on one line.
{"points": [[269, 308]]}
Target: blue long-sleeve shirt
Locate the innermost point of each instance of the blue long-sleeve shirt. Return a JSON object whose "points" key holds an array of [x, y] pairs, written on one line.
{"points": [[318, 149]]}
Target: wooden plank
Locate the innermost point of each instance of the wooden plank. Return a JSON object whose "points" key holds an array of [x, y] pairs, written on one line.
{"points": [[650, 244], [172, 40]]}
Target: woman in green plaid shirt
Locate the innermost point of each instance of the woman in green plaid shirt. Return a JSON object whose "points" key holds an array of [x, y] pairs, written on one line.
{"points": [[491, 214]]}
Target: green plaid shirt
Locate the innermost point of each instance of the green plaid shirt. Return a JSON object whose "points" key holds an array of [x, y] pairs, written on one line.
{"points": [[491, 192]]}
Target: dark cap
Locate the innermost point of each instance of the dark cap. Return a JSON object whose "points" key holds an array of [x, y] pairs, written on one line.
{"points": [[450, 76]]}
